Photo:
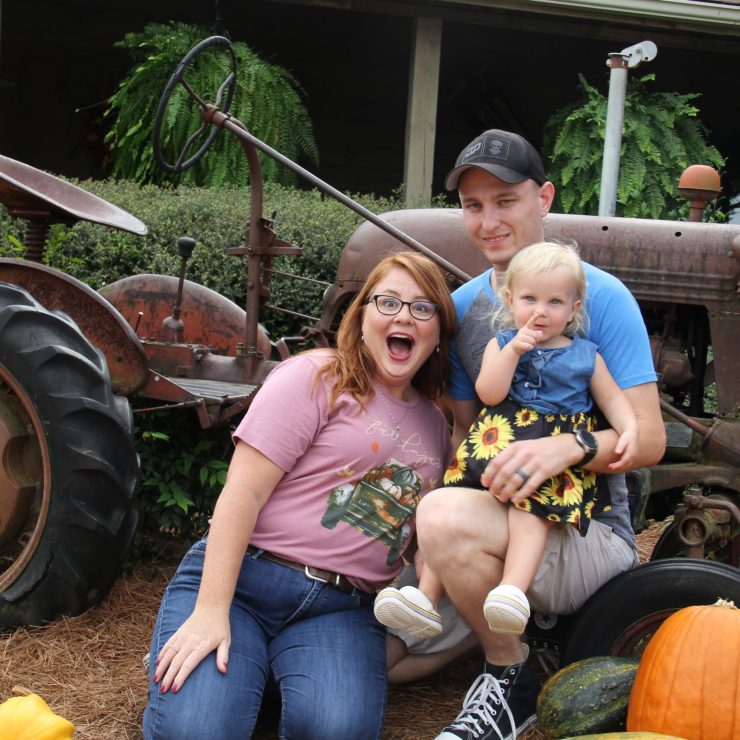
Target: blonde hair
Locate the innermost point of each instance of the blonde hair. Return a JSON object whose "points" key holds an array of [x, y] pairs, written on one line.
{"points": [[538, 258], [353, 368]]}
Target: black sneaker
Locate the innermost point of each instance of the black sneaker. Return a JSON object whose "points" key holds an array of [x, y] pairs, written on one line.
{"points": [[497, 706]]}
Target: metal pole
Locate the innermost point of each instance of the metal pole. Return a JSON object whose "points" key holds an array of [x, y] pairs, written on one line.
{"points": [[213, 115], [619, 63], [613, 134]]}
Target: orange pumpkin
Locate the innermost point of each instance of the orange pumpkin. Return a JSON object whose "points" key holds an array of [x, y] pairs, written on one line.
{"points": [[688, 680]]}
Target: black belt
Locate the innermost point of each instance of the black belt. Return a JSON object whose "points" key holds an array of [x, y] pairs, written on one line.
{"points": [[315, 574]]}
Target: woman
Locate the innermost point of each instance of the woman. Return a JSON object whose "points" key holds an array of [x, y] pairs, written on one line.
{"points": [[330, 463]]}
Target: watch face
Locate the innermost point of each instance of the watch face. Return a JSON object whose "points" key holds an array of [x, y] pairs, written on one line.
{"points": [[587, 440]]}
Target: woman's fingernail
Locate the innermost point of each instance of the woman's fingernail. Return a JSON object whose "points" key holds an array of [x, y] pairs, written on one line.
{"points": [[175, 688], [162, 689]]}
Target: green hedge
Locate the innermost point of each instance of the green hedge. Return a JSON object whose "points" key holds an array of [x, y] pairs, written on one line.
{"points": [[216, 219], [183, 467]]}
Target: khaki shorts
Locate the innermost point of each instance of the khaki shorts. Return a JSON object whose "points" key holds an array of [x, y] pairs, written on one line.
{"points": [[572, 568]]}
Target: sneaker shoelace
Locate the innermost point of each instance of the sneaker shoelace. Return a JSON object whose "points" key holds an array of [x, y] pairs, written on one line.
{"points": [[477, 713]]}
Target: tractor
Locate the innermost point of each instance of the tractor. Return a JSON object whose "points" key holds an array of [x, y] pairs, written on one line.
{"points": [[71, 359]]}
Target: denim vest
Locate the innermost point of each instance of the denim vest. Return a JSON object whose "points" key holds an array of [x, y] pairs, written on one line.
{"points": [[553, 380]]}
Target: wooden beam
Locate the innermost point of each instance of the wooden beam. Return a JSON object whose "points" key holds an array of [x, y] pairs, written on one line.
{"points": [[421, 112], [531, 16]]}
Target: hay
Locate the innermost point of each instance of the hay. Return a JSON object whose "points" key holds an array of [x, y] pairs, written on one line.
{"points": [[89, 668], [649, 536]]}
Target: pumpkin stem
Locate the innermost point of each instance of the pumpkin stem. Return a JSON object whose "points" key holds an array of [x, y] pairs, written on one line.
{"points": [[726, 603]]}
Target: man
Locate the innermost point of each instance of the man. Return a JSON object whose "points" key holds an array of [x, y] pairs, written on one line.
{"points": [[462, 534]]}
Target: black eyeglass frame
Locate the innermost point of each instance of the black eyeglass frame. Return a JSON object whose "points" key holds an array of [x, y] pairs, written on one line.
{"points": [[410, 304]]}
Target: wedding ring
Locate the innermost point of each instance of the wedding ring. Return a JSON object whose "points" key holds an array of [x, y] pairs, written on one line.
{"points": [[522, 475]]}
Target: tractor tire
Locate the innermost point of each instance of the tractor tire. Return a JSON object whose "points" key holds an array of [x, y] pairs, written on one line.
{"points": [[68, 467], [622, 616]]}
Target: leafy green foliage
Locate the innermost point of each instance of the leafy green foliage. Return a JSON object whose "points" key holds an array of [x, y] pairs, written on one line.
{"points": [[183, 471], [661, 136], [267, 100], [216, 218]]}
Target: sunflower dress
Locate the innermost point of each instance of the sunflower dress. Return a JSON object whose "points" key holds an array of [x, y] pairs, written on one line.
{"points": [[549, 395]]}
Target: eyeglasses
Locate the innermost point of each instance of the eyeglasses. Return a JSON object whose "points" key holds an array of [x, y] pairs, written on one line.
{"points": [[390, 306]]}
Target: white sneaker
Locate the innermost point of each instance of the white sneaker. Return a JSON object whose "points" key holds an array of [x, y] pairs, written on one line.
{"points": [[506, 609], [407, 609]]}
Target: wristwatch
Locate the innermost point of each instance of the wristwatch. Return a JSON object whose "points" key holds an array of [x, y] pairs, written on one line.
{"points": [[588, 444]]}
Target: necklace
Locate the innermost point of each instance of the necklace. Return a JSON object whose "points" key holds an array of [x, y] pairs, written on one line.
{"points": [[387, 405]]}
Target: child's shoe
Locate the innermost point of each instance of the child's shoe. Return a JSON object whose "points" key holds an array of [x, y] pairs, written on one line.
{"points": [[408, 609], [506, 609]]}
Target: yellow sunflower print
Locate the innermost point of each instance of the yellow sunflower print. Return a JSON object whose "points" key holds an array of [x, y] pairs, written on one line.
{"points": [[525, 505], [525, 417], [491, 435], [564, 490], [568, 498], [589, 479], [458, 466]]}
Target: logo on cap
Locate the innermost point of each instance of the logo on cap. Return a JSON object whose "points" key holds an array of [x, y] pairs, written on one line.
{"points": [[472, 150], [494, 147], [498, 148]]}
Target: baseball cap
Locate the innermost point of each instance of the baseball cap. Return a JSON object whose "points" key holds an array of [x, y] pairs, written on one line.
{"points": [[505, 155]]}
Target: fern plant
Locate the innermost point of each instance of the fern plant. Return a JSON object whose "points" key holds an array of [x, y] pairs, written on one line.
{"points": [[661, 136], [268, 100]]}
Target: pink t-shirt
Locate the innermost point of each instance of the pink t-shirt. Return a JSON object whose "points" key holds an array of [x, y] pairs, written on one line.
{"points": [[352, 483]]}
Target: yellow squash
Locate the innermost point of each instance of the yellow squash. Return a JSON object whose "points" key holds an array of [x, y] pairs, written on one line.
{"points": [[29, 718]]}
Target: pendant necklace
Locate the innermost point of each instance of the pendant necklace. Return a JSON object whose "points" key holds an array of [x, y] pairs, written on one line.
{"points": [[387, 405]]}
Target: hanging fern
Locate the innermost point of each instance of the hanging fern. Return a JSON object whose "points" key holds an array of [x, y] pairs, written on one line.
{"points": [[267, 100], [661, 136]]}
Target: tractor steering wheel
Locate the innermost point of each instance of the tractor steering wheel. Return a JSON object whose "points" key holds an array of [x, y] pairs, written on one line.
{"points": [[225, 91]]}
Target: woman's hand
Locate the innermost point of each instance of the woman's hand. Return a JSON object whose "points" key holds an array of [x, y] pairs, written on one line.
{"points": [[196, 639]]}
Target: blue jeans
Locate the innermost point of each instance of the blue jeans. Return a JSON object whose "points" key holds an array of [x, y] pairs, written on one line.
{"points": [[323, 649]]}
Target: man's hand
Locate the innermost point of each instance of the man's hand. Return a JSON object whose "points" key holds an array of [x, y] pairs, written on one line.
{"points": [[520, 469]]}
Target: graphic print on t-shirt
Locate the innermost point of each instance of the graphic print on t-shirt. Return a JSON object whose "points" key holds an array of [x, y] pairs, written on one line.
{"points": [[378, 505]]}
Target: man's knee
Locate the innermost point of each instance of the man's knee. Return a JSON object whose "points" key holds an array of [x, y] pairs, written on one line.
{"points": [[436, 519], [464, 511], [431, 508], [443, 508]]}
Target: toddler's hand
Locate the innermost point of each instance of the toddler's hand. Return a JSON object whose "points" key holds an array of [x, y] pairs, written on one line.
{"points": [[626, 450], [527, 337]]}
